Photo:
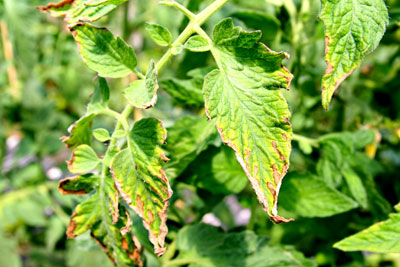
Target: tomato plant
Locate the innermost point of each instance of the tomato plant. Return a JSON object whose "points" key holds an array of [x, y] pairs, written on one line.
{"points": [[203, 128]]}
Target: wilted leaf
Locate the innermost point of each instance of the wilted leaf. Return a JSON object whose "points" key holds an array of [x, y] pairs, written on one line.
{"points": [[251, 113], [352, 30], [78, 185], [139, 177], [103, 53]]}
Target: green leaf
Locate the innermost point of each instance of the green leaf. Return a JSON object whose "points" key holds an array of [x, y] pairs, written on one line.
{"points": [[113, 198], [9, 248], [119, 134], [197, 44], [80, 132], [103, 53], [78, 185], [308, 196], [251, 113], [85, 216], [139, 177], [80, 10], [100, 98], [352, 30], [185, 92], [203, 245], [382, 237], [217, 170], [83, 160], [143, 93], [101, 134], [186, 140], [356, 186], [268, 24], [159, 34]]}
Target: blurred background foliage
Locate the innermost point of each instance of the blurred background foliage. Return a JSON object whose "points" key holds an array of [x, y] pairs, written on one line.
{"points": [[45, 86]]}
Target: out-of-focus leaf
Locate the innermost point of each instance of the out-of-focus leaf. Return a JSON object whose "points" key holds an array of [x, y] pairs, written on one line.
{"points": [[81, 10], [356, 186], [100, 98], [268, 24], [159, 34], [186, 140], [218, 171], [103, 53], [352, 30], [143, 93], [83, 160], [54, 232], [204, 245], [186, 92], [308, 196], [251, 113], [101, 134], [139, 177], [8, 248], [383, 237]]}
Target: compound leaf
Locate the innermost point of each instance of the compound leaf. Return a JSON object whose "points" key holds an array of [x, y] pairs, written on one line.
{"points": [[139, 177], [104, 53], [251, 114], [352, 30], [382, 237], [143, 93]]}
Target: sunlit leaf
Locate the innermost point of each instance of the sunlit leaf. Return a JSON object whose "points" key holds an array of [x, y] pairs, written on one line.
{"points": [[245, 98], [83, 160], [352, 30]]}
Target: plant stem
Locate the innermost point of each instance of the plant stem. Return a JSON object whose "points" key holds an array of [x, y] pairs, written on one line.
{"points": [[180, 7], [194, 24]]}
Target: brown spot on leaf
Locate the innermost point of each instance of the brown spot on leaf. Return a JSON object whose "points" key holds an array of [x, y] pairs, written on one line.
{"points": [[63, 183], [284, 136], [127, 228], [139, 203], [151, 216], [281, 156], [71, 227], [55, 5], [115, 211], [272, 190], [164, 158]]}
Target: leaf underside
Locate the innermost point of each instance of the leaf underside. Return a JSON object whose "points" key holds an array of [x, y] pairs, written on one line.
{"points": [[251, 114]]}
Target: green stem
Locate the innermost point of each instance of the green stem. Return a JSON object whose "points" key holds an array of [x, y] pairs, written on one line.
{"points": [[300, 138], [180, 262], [194, 24], [180, 7]]}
